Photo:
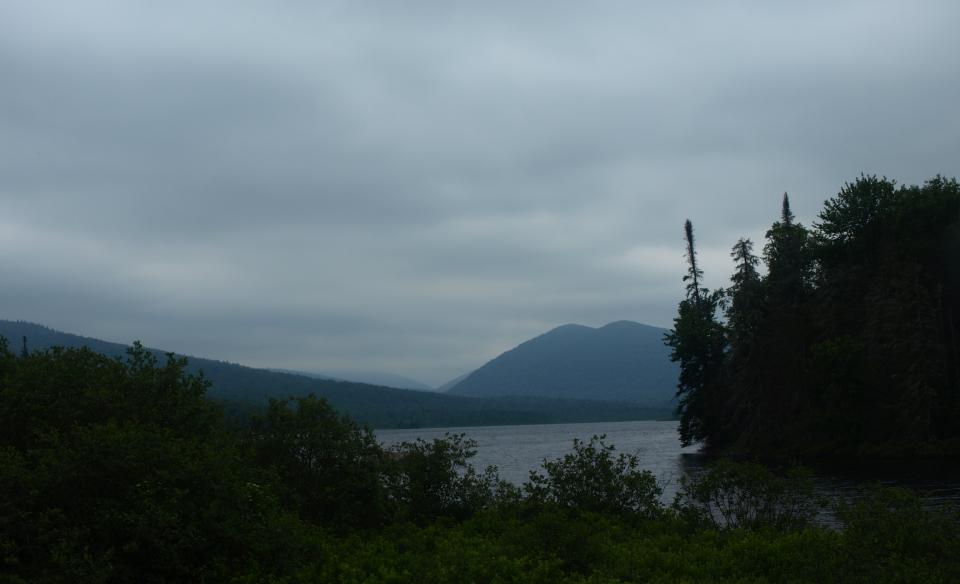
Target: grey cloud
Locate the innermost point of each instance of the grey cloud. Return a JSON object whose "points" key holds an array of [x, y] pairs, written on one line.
{"points": [[418, 186]]}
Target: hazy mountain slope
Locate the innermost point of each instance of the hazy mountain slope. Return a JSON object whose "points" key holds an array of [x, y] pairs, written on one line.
{"points": [[446, 386], [368, 377], [380, 407], [377, 378], [622, 361], [305, 374]]}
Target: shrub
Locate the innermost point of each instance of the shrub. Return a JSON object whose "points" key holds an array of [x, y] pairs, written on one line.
{"points": [[120, 471], [329, 467], [888, 534], [429, 480], [591, 479], [748, 495]]}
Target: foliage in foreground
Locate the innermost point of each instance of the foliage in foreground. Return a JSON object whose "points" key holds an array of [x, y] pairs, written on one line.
{"points": [[555, 545], [748, 495], [122, 471], [590, 479]]}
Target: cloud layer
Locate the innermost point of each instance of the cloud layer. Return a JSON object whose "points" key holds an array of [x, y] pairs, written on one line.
{"points": [[419, 186]]}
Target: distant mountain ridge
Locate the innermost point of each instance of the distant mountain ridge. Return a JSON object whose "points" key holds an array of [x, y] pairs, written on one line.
{"points": [[623, 361], [358, 376], [246, 388]]}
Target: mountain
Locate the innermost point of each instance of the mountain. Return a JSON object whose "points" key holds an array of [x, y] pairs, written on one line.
{"points": [[245, 390], [305, 374], [368, 377], [622, 361]]}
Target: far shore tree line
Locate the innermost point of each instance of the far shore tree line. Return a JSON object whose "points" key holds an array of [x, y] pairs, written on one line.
{"points": [[847, 345]]}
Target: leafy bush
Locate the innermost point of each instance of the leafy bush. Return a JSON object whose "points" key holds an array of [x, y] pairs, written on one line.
{"points": [[429, 480], [118, 471], [591, 479], [329, 467], [889, 534], [48, 392], [748, 495]]}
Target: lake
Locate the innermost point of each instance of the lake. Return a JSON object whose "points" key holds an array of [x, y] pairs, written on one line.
{"points": [[516, 450]]}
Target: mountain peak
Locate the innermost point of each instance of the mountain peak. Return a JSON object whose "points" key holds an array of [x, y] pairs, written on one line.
{"points": [[620, 361], [624, 324], [569, 327]]}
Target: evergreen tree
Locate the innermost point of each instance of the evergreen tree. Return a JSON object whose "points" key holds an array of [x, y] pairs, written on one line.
{"points": [[781, 338], [746, 294], [698, 343], [694, 292], [787, 256], [848, 344], [745, 314]]}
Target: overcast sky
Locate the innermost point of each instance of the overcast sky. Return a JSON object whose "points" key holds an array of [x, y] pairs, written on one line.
{"points": [[416, 186]]}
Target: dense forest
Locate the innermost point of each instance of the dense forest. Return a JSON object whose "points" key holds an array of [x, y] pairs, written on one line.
{"points": [[121, 470], [847, 345]]}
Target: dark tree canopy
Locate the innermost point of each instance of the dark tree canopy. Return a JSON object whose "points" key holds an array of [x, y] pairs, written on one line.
{"points": [[847, 345]]}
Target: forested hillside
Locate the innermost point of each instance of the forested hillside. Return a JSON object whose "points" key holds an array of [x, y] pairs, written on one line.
{"points": [[849, 344], [247, 389]]}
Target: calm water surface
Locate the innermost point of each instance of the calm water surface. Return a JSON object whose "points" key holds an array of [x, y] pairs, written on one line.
{"points": [[516, 450]]}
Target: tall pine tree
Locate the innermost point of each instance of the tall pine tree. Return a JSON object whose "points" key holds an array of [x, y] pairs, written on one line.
{"points": [[745, 313], [698, 342]]}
